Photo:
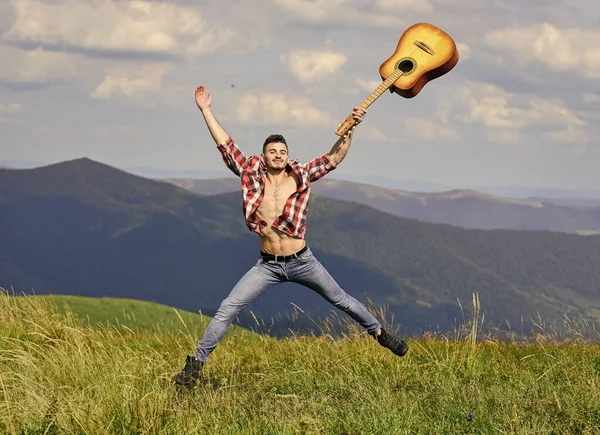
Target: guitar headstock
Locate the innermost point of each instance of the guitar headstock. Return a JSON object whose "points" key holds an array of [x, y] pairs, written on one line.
{"points": [[345, 127]]}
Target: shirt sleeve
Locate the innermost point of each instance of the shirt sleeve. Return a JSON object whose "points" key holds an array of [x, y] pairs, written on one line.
{"points": [[234, 158], [319, 167]]}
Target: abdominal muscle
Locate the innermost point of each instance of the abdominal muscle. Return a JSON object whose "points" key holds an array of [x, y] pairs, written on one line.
{"points": [[272, 240]]}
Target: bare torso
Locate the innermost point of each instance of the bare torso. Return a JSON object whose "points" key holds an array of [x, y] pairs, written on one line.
{"points": [[276, 195]]}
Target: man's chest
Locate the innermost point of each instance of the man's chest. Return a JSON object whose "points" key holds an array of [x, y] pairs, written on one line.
{"points": [[277, 194]]}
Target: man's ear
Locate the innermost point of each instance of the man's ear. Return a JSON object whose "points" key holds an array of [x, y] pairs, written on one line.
{"points": [[262, 158]]}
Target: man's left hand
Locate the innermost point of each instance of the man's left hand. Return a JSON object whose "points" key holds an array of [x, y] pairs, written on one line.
{"points": [[358, 114]]}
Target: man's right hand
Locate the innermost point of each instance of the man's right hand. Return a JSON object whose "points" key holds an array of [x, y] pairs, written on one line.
{"points": [[203, 100]]}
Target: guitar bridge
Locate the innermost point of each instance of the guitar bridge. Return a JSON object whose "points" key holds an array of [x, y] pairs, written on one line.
{"points": [[426, 48]]}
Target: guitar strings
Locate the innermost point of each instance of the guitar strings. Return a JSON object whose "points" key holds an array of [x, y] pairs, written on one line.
{"points": [[365, 106], [366, 103]]}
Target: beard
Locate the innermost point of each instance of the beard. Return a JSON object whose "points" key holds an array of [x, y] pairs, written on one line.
{"points": [[275, 165]]}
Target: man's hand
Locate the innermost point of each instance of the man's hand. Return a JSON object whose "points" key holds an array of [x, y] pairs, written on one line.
{"points": [[358, 113], [341, 147], [203, 100]]}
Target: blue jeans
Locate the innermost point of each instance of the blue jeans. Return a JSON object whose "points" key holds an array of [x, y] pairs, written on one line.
{"points": [[305, 269]]}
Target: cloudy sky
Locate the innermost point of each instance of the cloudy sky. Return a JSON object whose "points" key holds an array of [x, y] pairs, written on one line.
{"points": [[113, 80]]}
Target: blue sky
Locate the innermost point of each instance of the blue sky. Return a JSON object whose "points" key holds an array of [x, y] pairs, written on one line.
{"points": [[113, 80]]}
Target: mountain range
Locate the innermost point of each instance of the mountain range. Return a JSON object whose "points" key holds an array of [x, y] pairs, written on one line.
{"points": [[555, 195], [85, 228], [463, 208]]}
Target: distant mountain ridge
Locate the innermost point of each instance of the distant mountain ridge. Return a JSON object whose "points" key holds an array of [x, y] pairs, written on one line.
{"points": [[510, 191], [517, 191], [555, 195], [463, 208], [85, 228]]}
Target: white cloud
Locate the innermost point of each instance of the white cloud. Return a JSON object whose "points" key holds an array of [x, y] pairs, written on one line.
{"points": [[503, 135], [280, 109], [368, 85], [551, 111], [115, 26], [494, 107], [571, 135], [590, 97], [308, 65], [420, 6], [464, 51], [573, 50], [344, 11], [316, 10], [428, 129], [488, 104], [35, 66], [370, 132], [82, 44], [445, 111], [132, 80], [8, 110]]}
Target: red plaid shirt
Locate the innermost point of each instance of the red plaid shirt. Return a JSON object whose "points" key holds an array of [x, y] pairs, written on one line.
{"points": [[252, 172]]}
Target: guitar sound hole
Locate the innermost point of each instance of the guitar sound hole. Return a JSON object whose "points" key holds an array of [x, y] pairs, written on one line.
{"points": [[406, 66]]}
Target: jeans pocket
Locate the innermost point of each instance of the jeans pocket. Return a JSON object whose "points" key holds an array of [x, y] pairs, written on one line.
{"points": [[305, 257]]}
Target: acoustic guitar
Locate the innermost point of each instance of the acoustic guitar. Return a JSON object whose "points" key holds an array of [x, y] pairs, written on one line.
{"points": [[424, 53]]}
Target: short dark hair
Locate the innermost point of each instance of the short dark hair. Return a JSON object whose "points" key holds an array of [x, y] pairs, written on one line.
{"points": [[274, 138]]}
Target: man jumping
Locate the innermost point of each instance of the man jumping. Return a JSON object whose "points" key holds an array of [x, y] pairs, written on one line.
{"points": [[275, 193]]}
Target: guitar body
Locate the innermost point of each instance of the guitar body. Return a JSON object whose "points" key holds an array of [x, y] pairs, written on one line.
{"points": [[424, 53]]}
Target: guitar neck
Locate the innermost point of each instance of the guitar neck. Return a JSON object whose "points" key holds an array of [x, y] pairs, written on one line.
{"points": [[384, 86], [349, 122]]}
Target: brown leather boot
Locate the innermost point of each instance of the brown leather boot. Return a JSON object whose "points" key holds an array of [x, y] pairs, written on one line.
{"points": [[191, 374], [393, 343]]}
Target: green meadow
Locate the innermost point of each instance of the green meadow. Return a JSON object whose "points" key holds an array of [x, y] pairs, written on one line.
{"points": [[72, 365], [128, 314]]}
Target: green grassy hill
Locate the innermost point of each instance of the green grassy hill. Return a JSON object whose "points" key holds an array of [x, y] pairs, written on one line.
{"points": [[58, 376], [128, 313]]}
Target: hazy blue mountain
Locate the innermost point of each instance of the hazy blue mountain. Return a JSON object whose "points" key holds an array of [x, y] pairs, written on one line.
{"points": [[21, 164], [147, 172], [84, 228], [556, 195], [516, 191], [390, 183], [463, 208]]}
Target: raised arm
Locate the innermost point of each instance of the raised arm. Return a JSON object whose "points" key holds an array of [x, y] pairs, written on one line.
{"points": [[341, 147], [204, 101], [233, 157], [321, 166]]}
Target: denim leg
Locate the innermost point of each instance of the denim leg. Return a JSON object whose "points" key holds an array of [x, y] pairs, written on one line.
{"points": [[248, 288], [308, 271]]}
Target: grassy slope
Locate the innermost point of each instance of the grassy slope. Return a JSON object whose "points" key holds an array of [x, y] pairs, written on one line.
{"points": [[129, 313], [57, 376]]}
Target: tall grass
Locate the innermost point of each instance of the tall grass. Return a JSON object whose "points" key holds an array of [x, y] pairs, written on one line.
{"points": [[58, 375]]}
